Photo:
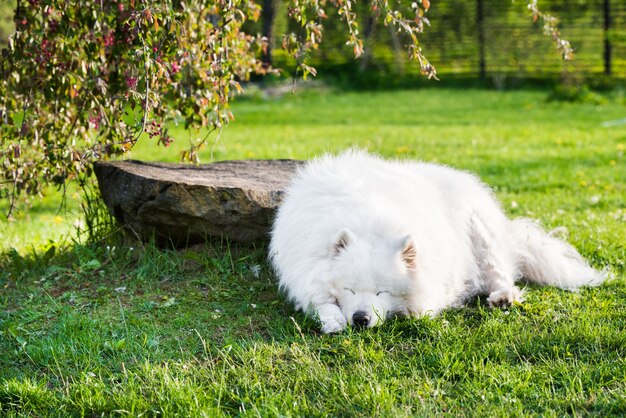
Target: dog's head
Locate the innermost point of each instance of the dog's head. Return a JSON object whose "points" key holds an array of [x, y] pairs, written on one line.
{"points": [[371, 277]]}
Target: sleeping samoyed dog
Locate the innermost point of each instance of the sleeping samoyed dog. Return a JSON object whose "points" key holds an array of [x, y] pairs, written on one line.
{"points": [[358, 239]]}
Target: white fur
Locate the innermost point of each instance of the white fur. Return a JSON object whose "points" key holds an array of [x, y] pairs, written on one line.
{"points": [[359, 235]]}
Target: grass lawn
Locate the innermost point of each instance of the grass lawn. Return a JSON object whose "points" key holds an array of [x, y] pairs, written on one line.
{"points": [[118, 327]]}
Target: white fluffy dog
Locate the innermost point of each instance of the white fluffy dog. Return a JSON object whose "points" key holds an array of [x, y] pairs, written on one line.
{"points": [[358, 239]]}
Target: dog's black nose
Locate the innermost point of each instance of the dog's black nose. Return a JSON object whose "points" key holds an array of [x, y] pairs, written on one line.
{"points": [[360, 319]]}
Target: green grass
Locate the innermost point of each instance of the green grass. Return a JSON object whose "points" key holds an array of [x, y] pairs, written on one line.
{"points": [[117, 327]]}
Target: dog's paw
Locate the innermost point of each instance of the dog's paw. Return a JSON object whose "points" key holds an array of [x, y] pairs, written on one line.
{"points": [[331, 318], [505, 297], [333, 325]]}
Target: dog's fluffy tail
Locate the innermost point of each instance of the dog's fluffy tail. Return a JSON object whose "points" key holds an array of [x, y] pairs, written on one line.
{"points": [[546, 260]]}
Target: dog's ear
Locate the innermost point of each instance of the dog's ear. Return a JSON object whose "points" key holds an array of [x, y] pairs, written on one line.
{"points": [[343, 238], [408, 252]]}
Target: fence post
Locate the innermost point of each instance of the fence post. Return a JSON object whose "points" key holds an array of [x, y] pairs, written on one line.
{"points": [[607, 40], [480, 26], [268, 16]]}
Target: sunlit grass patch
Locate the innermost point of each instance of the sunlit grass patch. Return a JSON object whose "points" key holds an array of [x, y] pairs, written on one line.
{"points": [[117, 327]]}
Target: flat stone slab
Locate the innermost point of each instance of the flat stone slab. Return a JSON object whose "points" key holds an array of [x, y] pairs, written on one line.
{"points": [[183, 204]]}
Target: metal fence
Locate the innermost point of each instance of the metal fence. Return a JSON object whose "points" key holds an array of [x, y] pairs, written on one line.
{"points": [[492, 38]]}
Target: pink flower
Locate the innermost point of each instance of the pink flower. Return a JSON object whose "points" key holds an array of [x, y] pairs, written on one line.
{"points": [[131, 82], [108, 39]]}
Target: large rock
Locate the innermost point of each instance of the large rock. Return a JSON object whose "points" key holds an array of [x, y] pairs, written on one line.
{"points": [[184, 204]]}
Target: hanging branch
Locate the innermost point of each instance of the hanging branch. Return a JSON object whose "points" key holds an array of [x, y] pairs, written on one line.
{"points": [[101, 76]]}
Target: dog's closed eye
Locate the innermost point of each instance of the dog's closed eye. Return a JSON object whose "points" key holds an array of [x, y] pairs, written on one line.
{"points": [[345, 288], [381, 292]]}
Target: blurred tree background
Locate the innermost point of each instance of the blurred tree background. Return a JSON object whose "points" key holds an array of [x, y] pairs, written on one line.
{"points": [[490, 40]]}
